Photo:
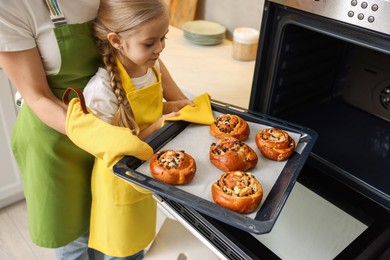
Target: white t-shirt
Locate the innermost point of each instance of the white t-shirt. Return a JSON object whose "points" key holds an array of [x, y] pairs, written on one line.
{"points": [[100, 98], [25, 24]]}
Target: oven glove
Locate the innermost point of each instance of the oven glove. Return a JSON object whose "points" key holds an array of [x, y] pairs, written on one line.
{"points": [[201, 113], [97, 137]]}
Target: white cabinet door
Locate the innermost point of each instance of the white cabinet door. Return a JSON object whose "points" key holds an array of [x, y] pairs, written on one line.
{"points": [[11, 188]]}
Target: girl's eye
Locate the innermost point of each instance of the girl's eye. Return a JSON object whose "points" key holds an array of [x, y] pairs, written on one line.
{"points": [[150, 45]]}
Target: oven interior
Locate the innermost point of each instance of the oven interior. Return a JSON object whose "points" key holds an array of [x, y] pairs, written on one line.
{"points": [[333, 78]]}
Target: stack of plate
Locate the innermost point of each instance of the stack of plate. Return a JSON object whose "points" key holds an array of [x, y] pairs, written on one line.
{"points": [[204, 32]]}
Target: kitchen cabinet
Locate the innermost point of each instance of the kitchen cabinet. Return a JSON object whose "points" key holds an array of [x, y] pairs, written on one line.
{"points": [[11, 189]]}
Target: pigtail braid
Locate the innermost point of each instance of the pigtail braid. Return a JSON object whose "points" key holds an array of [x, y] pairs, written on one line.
{"points": [[123, 116]]}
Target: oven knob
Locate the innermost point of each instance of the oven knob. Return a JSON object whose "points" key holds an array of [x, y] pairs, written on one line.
{"points": [[360, 16], [371, 19], [351, 13], [364, 5], [374, 7]]}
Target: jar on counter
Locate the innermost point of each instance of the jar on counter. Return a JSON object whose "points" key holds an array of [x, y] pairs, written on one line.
{"points": [[245, 42]]}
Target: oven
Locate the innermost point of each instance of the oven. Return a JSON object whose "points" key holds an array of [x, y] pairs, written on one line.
{"points": [[325, 65], [333, 76]]}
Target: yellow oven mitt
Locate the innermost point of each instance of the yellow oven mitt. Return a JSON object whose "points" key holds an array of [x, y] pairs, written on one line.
{"points": [[102, 140], [201, 113]]}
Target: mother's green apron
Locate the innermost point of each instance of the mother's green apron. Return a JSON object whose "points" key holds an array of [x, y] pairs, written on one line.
{"points": [[56, 174]]}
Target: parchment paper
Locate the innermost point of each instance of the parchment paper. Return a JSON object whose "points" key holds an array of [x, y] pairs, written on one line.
{"points": [[196, 141]]}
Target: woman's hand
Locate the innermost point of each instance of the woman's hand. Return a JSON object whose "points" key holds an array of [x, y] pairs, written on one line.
{"points": [[155, 126]]}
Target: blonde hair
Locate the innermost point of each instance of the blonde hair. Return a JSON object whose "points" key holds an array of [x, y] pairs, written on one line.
{"points": [[122, 16]]}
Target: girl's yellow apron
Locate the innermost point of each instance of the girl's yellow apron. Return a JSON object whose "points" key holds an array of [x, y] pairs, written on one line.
{"points": [[123, 216], [56, 174]]}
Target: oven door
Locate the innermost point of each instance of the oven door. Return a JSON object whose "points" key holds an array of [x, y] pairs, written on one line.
{"points": [[315, 223]]}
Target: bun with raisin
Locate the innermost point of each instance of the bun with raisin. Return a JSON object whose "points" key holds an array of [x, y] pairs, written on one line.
{"points": [[231, 154], [229, 125], [238, 191], [173, 167], [275, 144]]}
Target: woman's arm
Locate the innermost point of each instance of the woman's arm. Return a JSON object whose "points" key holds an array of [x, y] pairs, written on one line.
{"points": [[26, 72]]}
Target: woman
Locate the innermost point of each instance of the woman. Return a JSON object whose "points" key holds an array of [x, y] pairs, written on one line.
{"points": [[46, 47]]}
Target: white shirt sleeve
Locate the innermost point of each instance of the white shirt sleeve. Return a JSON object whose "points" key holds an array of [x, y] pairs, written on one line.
{"points": [[99, 96], [17, 26], [25, 24]]}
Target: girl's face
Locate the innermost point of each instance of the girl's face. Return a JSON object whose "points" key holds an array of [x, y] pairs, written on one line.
{"points": [[142, 47]]}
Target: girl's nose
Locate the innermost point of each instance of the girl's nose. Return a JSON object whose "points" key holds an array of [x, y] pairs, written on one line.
{"points": [[159, 48]]}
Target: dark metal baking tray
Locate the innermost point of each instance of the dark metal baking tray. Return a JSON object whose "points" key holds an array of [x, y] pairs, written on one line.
{"points": [[267, 214]]}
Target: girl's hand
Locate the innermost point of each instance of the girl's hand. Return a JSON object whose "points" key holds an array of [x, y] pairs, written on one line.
{"points": [[174, 106], [156, 125], [172, 114], [166, 116]]}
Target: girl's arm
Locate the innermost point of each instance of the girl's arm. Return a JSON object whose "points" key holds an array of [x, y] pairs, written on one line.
{"points": [[25, 71], [155, 126], [171, 91], [175, 98]]}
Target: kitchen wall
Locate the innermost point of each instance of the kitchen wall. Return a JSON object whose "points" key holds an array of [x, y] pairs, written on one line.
{"points": [[231, 13]]}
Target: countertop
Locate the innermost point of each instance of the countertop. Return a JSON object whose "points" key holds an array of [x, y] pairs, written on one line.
{"points": [[199, 69]]}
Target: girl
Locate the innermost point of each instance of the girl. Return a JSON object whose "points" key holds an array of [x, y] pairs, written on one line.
{"points": [[129, 92]]}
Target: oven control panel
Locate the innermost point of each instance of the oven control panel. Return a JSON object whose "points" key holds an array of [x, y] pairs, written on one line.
{"points": [[370, 14]]}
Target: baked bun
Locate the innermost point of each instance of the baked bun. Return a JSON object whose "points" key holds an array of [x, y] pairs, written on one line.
{"points": [[275, 144], [238, 191], [231, 154], [173, 167], [230, 126]]}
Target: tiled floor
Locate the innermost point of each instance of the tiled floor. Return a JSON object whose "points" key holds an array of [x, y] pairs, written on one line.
{"points": [[15, 243]]}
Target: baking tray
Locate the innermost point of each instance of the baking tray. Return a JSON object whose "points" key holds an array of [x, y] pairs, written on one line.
{"points": [[276, 190]]}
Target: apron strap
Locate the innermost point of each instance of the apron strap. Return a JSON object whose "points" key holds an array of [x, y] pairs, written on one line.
{"points": [[65, 98], [56, 14], [127, 84]]}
